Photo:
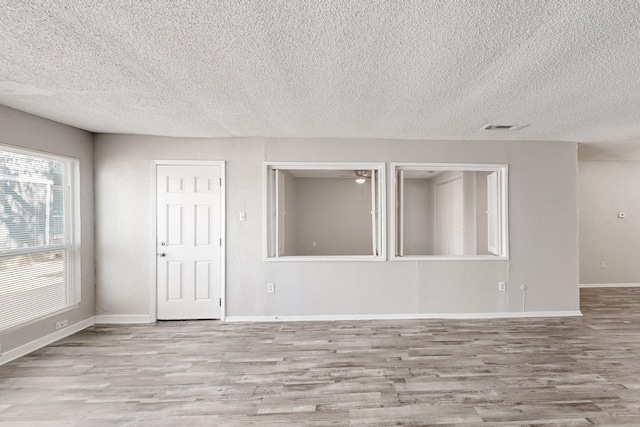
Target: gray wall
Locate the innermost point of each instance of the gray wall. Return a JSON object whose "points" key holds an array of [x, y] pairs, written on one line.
{"points": [[26, 131], [334, 213], [607, 188], [543, 231]]}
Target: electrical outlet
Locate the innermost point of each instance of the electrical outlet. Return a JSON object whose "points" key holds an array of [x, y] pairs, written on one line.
{"points": [[603, 264], [271, 288], [502, 286], [62, 324], [243, 216]]}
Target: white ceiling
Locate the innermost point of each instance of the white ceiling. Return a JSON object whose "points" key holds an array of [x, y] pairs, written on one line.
{"points": [[328, 68]]}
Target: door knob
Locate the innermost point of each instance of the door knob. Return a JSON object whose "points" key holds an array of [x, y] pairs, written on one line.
{"points": [[162, 254], [163, 244]]}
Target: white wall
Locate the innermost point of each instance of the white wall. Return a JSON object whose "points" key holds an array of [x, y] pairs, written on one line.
{"points": [[334, 213], [469, 206], [26, 131], [418, 217], [607, 188], [543, 231], [447, 204]]}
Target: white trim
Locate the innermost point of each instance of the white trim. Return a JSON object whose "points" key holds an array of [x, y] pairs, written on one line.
{"points": [[153, 254], [188, 162], [381, 167], [223, 236], [398, 214], [32, 346], [452, 316], [153, 251], [29, 151], [325, 165], [102, 319], [450, 258], [610, 285], [357, 258], [266, 212], [475, 167]]}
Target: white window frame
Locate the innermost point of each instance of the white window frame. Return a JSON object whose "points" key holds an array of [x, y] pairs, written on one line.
{"points": [[397, 225], [71, 244], [381, 229]]}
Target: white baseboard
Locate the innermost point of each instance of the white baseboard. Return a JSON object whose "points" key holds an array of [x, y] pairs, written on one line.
{"points": [[123, 318], [452, 316], [610, 285], [509, 315], [44, 341], [320, 318]]}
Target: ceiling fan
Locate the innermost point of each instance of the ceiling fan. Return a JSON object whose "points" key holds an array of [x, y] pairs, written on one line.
{"points": [[361, 175]]}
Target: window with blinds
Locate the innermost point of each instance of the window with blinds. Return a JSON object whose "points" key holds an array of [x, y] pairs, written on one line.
{"points": [[39, 236]]}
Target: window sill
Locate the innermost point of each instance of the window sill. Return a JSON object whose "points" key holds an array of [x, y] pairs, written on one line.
{"points": [[328, 258], [449, 258]]}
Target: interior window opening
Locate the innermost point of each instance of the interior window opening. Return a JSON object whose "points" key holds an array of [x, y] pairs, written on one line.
{"points": [[317, 210], [450, 211]]}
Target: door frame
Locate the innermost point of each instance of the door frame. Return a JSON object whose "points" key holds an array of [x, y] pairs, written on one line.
{"points": [[153, 254]]}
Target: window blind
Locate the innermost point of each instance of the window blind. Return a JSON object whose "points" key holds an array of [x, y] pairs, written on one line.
{"points": [[39, 254]]}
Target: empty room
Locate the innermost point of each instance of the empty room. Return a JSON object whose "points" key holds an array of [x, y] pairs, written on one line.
{"points": [[319, 213]]}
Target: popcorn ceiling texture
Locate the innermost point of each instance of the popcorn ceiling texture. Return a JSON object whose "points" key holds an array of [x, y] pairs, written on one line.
{"points": [[397, 69]]}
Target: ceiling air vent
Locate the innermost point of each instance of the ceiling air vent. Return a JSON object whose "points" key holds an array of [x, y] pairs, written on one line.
{"points": [[502, 127]]}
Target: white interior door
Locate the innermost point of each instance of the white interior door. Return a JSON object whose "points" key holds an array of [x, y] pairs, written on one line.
{"points": [[449, 218], [189, 241]]}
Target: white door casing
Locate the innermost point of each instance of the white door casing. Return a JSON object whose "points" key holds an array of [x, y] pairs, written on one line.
{"points": [[493, 213], [189, 231]]}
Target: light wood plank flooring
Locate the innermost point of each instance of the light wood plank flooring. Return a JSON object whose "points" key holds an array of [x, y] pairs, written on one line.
{"points": [[569, 372]]}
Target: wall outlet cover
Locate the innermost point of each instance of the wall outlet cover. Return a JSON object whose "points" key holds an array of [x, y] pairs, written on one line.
{"points": [[62, 324]]}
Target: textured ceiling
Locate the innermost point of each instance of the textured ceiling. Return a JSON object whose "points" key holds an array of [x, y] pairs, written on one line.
{"points": [[328, 68]]}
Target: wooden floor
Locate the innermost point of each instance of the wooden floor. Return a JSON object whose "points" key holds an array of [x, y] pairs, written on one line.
{"points": [[569, 372]]}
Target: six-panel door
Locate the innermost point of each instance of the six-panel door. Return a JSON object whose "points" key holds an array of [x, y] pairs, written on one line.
{"points": [[189, 242]]}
